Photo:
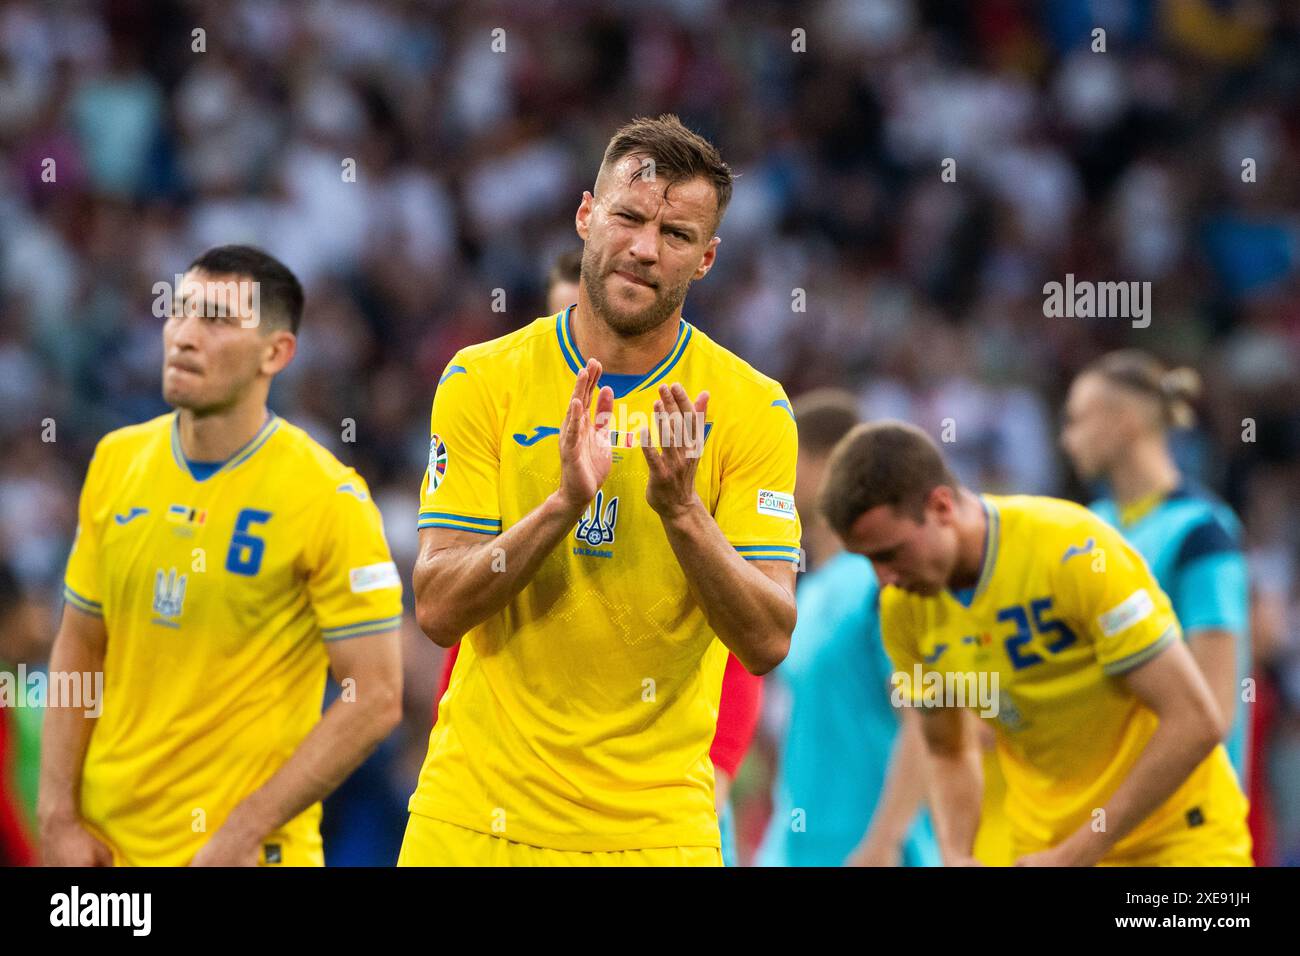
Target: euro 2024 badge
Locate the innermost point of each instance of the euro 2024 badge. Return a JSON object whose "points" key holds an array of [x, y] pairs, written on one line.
{"points": [[437, 462]]}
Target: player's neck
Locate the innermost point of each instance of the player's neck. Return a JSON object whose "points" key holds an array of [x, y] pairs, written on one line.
{"points": [[215, 436], [620, 355], [972, 532], [1146, 471]]}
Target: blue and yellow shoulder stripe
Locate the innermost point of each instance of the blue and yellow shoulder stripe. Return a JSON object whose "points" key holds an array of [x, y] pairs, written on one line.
{"points": [[768, 552], [458, 522], [361, 628], [82, 603]]}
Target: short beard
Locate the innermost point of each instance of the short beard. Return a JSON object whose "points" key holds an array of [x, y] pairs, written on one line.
{"points": [[628, 326]]}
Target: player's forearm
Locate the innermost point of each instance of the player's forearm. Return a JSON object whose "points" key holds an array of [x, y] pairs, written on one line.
{"points": [[459, 588], [751, 614], [956, 794], [1215, 653], [1181, 741], [66, 733], [904, 790], [348, 732]]}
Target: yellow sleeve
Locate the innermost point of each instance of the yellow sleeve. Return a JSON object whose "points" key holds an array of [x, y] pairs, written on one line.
{"points": [[461, 485], [900, 639], [755, 507], [352, 582], [1112, 595], [81, 584]]}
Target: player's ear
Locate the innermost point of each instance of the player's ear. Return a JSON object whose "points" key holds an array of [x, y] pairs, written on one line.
{"points": [[582, 221], [941, 501], [281, 347], [710, 255]]}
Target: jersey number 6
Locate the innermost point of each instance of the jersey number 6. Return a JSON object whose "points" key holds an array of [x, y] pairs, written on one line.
{"points": [[245, 554]]}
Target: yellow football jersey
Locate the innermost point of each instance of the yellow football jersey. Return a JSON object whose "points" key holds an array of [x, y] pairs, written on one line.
{"points": [[993, 838], [580, 716], [216, 595], [1063, 606]]}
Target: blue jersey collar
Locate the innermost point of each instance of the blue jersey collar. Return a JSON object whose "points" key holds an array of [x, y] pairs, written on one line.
{"points": [[202, 471], [625, 385], [992, 535]]}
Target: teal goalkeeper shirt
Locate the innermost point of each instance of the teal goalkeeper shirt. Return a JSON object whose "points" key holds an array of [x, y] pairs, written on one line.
{"points": [[1192, 541], [841, 730]]}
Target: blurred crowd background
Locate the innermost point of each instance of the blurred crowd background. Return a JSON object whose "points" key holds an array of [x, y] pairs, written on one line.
{"points": [[923, 296]]}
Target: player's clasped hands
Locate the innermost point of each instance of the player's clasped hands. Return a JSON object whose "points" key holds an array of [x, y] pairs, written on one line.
{"points": [[585, 452], [671, 488]]}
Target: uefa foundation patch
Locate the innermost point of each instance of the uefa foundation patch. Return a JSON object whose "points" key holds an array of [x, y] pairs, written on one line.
{"points": [[776, 503]]}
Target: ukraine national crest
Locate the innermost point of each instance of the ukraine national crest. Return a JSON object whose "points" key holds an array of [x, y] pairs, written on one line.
{"points": [[168, 597], [596, 526]]}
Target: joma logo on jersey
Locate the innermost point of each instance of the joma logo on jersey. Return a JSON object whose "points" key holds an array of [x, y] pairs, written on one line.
{"points": [[353, 490], [130, 516], [1075, 550], [539, 432], [168, 597], [596, 526]]}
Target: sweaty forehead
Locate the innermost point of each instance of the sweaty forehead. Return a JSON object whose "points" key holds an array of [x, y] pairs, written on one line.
{"points": [[693, 199]]}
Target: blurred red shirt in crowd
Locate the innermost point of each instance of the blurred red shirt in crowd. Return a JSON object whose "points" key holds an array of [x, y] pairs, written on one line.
{"points": [[738, 711]]}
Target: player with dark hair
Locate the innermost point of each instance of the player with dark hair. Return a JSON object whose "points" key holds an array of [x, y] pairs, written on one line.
{"points": [[223, 562], [1107, 733]]}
